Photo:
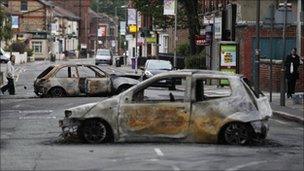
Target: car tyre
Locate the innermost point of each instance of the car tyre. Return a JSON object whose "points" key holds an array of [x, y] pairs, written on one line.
{"points": [[95, 131], [237, 133], [57, 92]]}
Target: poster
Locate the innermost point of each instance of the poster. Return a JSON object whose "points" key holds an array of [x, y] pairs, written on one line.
{"points": [[131, 16], [122, 28], [228, 55], [169, 7], [15, 22], [102, 31], [218, 28]]}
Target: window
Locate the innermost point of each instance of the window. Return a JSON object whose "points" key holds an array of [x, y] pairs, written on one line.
{"points": [[45, 72], [85, 72], [212, 88], [23, 6], [37, 47], [62, 73], [67, 72], [170, 89]]}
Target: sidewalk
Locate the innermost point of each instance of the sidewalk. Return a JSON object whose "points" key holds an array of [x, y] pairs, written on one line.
{"points": [[292, 111]]}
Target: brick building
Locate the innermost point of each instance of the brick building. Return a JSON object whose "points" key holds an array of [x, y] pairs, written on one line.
{"points": [[33, 20], [245, 35]]}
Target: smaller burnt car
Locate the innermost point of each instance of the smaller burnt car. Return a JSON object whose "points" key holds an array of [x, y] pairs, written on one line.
{"points": [[207, 107], [79, 79]]}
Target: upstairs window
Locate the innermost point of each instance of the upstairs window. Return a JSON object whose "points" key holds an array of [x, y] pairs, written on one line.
{"points": [[23, 6]]}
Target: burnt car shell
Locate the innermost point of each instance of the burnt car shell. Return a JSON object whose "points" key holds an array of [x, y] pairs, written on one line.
{"points": [[201, 122], [76, 85]]}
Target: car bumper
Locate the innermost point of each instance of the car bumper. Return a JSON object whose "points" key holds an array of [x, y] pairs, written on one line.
{"points": [[39, 90], [103, 62], [70, 128], [261, 128]]}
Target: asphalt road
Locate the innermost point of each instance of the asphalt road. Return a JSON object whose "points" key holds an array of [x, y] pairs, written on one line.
{"points": [[30, 141]]}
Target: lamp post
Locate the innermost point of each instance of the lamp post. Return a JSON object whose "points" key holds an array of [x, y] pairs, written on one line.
{"points": [[175, 32], [257, 50], [97, 25]]}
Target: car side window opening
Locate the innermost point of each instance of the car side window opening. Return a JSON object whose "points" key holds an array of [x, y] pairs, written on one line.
{"points": [[62, 73], [212, 88], [86, 72], [67, 72], [171, 89], [98, 72]]}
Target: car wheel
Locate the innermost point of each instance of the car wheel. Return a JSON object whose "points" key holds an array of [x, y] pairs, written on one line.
{"points": [[237, 134], [122, 88], [95, 131], [57, 92]]}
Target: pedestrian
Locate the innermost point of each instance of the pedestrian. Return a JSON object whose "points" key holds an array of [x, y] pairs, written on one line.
{"points": [[292, 64], [10, 74]]}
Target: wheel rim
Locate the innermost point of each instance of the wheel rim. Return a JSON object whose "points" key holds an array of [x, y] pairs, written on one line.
{"points": [[57, 92], [236, 134], [95, 132]]}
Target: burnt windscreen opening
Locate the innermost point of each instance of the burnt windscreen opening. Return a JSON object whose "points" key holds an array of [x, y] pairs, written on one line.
{"points": [[45, 72], [250, 85]]}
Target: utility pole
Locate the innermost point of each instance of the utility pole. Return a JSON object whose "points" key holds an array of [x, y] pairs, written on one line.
{"points": [[257, 51], [97, 25], [136, 39], [299, 30], [283, 82], [175, 32], [271, 51]]}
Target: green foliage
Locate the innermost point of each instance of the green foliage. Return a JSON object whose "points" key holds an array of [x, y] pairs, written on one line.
{"points": [[5, 27], [18, 47], [108, 7], [197, 61], [29, 51], [183, 49]]}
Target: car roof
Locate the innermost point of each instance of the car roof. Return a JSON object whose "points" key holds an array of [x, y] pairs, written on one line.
{"points": [[203, 72], [156, 60], [66, 65]]}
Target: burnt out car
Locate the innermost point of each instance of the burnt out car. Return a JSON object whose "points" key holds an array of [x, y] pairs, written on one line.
{"points": [[207, 107], [78, 79]]}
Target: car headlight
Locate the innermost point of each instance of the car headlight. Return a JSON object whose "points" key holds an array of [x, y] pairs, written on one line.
{"points": [[148, 74], [67, 113]]}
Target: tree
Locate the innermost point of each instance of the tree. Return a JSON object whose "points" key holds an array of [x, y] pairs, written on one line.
{"points": [[188, 11], [5, 27], [108, 7]]}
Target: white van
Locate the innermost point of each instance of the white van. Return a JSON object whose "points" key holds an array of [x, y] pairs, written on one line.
{"points": [[104, 56]]}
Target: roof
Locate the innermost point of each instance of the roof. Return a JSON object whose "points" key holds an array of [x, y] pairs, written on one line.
{"points": [[59, 11]]}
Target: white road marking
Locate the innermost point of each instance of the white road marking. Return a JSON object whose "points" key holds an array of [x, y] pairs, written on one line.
{"points": [[238, 167], [37, 111], [300, 128], [37, 117], [158, 152], [175, 168]]}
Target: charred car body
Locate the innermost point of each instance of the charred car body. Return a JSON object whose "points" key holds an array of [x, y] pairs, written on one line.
{"points": [[78, 79], [208, 107]]}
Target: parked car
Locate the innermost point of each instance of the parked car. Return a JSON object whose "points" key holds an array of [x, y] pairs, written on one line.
{"points": [[207, 107], [154, 67], [4, 58], [104, 56], [74, 80]]}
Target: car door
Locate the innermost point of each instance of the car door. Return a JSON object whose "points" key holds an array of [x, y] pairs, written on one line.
{"points": [[156, 112], [93, 82], [67, 78]]}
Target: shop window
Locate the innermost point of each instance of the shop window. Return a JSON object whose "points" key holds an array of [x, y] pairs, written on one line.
{"points": [[37, 47], [23, 6]]}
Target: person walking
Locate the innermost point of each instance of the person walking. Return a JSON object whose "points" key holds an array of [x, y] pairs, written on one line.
{"points": [[10, 74], [292, 64]]}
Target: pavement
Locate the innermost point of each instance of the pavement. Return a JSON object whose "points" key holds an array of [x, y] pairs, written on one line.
{"points": [[292, 111]]}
